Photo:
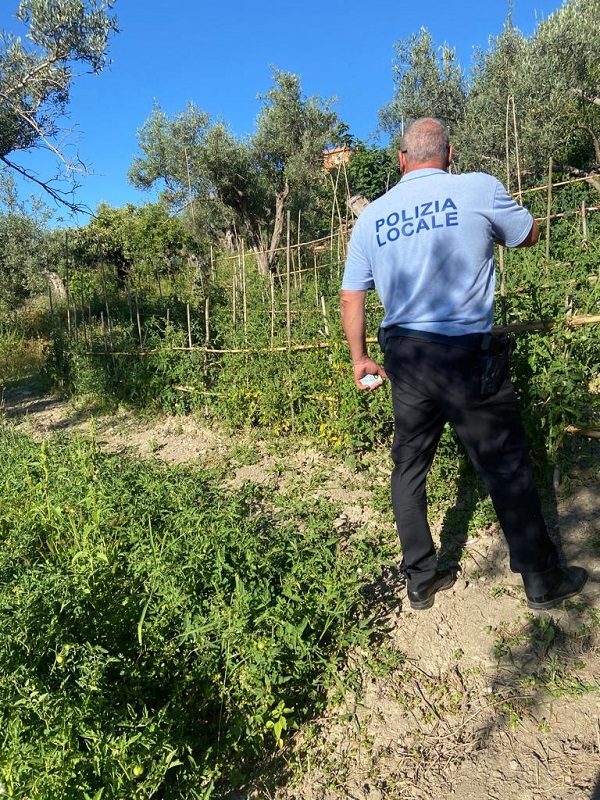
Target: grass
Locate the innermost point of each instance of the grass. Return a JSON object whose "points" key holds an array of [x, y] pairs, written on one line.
{"points": [[160, 634], [21, 358]]}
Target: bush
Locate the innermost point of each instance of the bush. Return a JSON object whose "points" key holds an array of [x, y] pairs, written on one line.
{"points": [[159, 633]]}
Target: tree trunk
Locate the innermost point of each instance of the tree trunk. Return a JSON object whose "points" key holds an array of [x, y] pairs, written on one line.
{"points": [[594, 140], [265, 257]]}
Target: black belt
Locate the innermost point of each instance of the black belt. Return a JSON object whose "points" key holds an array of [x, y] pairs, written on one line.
{"points": [[469, 341]]}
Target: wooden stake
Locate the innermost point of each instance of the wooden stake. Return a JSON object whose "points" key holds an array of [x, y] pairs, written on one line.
{"points": [[137, 316], [67, 282], [189, 323], [548, 210], [287, 288], [325, 321], [272, 283], [517, 157], [244, 296], [234, 298], [298, 250], [506, 143]]}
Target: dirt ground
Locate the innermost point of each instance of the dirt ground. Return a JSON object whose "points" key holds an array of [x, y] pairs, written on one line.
{"points": [[481, 699]]}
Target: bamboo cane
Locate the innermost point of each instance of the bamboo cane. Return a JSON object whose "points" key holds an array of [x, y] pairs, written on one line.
{"points": [[244, 295], [287, 286], [548, 210]]}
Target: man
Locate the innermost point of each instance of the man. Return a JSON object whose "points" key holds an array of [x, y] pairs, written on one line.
{"points": [[427, 247]]}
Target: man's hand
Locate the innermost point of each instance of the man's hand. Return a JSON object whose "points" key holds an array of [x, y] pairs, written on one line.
{"points": [[367, 367], [352, 307]]}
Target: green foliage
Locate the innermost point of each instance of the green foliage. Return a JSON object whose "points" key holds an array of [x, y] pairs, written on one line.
{"points": [[250, 376], [241, 187], [21, 357], [36, 75], [159, 633], [21, 260], [372, 171], [429, 82], [527, 99]]}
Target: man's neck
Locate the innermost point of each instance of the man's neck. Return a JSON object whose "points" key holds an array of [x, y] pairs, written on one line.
{"points": [[425, 165]]}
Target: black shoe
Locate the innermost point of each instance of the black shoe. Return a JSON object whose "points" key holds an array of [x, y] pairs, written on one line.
{"points": [[424, 597], [569, 582]]}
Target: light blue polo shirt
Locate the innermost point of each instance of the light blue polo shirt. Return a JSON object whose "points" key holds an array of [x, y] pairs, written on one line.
{"points": [[426, 246]]}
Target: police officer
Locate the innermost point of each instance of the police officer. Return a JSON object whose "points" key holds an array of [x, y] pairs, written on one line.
{"points": [[427, 248]]}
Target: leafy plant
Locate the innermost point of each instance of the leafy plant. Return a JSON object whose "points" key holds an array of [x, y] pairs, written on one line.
{"points": [[159, 633]]}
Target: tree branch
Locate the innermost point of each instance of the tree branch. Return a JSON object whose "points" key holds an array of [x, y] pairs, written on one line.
{"points": [[594, 140], [57, 194], [581, 93]]}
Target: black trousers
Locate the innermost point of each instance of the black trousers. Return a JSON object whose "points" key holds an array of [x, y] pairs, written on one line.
{"points": [[434, 383]]}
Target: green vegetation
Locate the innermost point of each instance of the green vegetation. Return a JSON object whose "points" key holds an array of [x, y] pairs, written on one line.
{"points": [[36, 75], [163, 635], [160, 634]]}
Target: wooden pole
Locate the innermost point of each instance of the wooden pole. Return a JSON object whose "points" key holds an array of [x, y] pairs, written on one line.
{"points": [[548, 210], [213, 271], [83, 325], [583, 222], [234, 298], [104, 287], [102, 322], [189, 323], [244, 295], [325, 321], [287, 288], [67, 283], [272, 284], [137, 316], [334, 186], [299, 260], [506, 143], [517, 156]]}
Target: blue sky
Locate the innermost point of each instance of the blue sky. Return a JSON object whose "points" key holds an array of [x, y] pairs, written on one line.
{"points": [[220, 55]]}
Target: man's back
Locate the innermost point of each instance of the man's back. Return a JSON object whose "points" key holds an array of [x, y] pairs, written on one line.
{"points": [[427, 247]]}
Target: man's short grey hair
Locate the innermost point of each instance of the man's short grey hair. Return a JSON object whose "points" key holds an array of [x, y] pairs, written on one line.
{"points": [[425, 139]]}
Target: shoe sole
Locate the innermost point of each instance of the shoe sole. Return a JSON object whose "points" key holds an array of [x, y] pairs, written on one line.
{"points": [[557, 601], [422, 605]]}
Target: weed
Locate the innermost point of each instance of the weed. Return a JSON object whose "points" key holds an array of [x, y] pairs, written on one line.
{"points": [[160, 633]]}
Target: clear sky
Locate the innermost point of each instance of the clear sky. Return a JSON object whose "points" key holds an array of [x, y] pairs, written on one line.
{"points": [[219, 55]]}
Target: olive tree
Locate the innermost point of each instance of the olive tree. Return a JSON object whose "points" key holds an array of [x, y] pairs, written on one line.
{"points": [[536, 98], [428, 80], [36, 74], [240, 188]]}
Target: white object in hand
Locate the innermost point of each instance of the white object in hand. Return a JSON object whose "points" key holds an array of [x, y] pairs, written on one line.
{"points": [[371, 380]]}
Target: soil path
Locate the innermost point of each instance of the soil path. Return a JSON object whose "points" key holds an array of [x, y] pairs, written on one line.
{"points": [[480, 699]]}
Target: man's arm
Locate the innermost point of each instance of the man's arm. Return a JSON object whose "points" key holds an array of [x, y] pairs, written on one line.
{"points": [[532, 237], [354, 323]]}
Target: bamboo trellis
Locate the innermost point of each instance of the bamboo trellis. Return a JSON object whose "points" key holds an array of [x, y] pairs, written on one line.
{"points": [[291, 279]]}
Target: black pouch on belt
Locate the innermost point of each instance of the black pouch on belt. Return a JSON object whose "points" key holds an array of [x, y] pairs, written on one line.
{"points": [[494, 361]]}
